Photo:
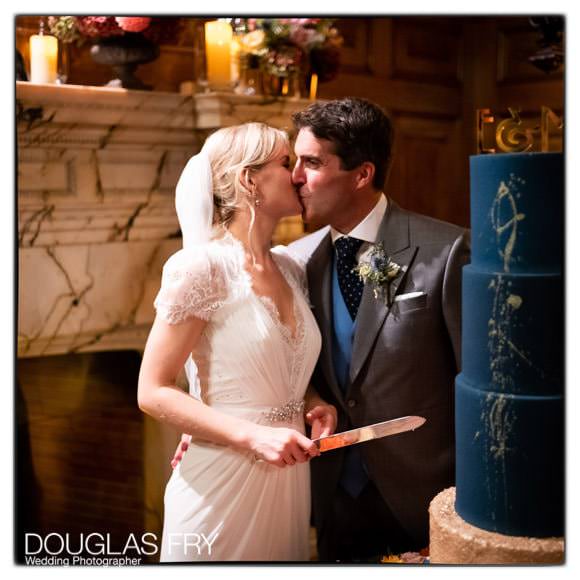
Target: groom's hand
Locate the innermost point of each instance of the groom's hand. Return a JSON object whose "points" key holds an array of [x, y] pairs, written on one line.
{"points": [[322, 418], [181, 449]]}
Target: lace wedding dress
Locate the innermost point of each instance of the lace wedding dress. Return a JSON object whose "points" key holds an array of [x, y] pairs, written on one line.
{"points": [[247, 364]]}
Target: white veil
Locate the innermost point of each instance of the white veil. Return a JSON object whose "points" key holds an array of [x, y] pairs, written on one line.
{"points": [[194, 200], [194, 206]]}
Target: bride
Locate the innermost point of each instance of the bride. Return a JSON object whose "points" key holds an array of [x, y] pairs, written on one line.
{"points": [[234, 313]]}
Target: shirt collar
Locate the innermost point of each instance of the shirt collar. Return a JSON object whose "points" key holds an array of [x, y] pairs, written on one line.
{"points": [[368, 228]]}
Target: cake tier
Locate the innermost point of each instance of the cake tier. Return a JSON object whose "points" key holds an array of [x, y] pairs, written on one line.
{"points": [[517, 213], [454, 541], [512, 332], [510, 461]]}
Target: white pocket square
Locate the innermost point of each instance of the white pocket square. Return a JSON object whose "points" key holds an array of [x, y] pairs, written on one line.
{"points": [[409, 295]]}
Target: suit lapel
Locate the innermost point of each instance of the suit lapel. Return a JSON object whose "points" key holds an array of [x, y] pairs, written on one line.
{"points": [[319, 271], [372, 312]]}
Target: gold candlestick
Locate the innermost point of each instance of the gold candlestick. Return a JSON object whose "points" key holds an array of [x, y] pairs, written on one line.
{"points": [[313, 86]]}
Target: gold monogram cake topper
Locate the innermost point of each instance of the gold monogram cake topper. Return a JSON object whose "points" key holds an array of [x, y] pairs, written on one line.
{"points": [[515, 134]]}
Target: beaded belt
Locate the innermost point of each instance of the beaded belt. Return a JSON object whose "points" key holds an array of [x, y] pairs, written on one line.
{"points": [[286, 412]]}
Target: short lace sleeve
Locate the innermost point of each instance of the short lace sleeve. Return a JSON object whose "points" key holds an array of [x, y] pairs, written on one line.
{"points": [[294, 265], [192, 285]]}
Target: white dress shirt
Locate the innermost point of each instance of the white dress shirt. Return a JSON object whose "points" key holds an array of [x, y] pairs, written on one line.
{"points": [[367, 229]]}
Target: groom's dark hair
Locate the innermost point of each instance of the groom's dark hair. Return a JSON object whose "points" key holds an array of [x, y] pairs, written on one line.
{"points": [[359, 130]]}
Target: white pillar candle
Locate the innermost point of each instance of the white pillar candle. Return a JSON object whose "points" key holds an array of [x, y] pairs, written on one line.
{"points": [[43, 58], [218, 36]]}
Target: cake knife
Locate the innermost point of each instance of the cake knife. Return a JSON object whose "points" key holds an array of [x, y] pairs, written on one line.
{"points": [[369, 432]]}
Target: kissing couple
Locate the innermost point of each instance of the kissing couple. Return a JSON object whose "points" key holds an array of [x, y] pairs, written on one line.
{"points": [[356, 323]]}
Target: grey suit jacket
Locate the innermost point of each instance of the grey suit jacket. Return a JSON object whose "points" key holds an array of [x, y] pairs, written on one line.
{"points": [[404, 362]]}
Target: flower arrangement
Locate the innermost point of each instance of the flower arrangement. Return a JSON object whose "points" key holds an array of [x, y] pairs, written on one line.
{"points": [[378, 270], [121, 42], [77, 29], [282, 46]]}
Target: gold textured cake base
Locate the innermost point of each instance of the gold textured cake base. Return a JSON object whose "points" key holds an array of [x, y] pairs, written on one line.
{"points": [[454, 541]]}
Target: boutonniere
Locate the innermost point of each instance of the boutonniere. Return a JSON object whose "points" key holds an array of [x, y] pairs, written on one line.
{"points": [[378, 270]]}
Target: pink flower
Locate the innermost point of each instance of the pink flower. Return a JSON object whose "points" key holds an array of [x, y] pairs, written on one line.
{"points": [[303, 36], [94, 26], [305, 21], [133, 23]]}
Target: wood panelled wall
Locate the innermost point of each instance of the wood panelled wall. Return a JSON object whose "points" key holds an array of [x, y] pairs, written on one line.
{"points": [[430, 73]]}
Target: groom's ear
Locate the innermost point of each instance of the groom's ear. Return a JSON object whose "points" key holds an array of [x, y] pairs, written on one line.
{"points": [[365, 174]]}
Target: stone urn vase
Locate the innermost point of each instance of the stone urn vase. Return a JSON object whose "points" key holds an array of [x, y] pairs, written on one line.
{"points": [[124, 54]]}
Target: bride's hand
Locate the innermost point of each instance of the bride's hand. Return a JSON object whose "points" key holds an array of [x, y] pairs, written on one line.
{"points": [[281, 447]]}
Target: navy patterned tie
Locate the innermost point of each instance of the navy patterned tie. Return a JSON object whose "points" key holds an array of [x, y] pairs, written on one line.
{"points": [[350, 284]]}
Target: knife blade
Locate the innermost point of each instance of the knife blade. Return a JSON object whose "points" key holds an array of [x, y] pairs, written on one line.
{"points": [[369, 432]]}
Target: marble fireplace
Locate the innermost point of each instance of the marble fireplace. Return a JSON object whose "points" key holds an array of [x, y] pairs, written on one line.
{"points": [[97, 169]]}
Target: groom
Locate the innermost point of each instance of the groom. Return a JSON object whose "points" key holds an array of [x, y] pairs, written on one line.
{"points": [[382, 357]]}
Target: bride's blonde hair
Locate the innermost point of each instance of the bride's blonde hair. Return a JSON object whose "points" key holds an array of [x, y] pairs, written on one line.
{"points": [[231, 151]]}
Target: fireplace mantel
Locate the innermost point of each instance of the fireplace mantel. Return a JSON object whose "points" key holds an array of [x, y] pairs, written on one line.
{"points": [[97, 168]]}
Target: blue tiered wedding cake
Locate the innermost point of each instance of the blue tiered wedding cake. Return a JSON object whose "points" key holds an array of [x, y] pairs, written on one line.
{"points": [[509, 395]]}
